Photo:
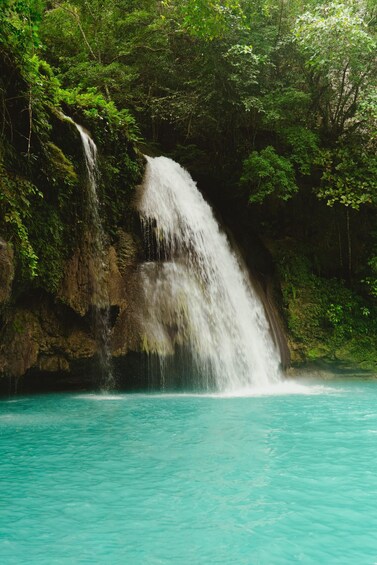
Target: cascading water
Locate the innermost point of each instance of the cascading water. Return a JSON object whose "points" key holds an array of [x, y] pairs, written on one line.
{"points": [[96, 239], [198, 304]]}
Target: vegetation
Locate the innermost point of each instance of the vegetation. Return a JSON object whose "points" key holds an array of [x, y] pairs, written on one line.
{"points": [[326, 319], [41, 155], [271, 104]]}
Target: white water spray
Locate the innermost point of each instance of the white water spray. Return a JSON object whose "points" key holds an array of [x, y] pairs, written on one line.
{"points": [[197, 297]]}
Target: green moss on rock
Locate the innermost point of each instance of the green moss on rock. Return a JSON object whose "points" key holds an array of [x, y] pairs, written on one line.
{"points": [[60, 168], [325, 318]]}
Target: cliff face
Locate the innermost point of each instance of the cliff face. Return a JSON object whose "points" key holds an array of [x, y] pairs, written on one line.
{"points": [[6, 271], [47, 267], [54, 334]]}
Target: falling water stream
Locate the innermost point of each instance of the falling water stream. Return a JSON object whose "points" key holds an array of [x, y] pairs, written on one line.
{"points": [[96, 237], [199, 312]]}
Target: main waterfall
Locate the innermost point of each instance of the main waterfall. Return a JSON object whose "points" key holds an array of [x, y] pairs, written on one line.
{"points": [[200, 315]]}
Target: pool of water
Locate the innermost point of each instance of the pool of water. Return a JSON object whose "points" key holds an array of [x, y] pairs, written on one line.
{"points": [[138, 479]]}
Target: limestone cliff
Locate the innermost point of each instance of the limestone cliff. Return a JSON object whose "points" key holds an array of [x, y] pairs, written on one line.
{"points": [[52, 333], [46, 260]]}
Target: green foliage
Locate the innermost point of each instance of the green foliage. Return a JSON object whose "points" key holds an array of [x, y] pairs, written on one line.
{"points": [[334, 36], [49, 234], [371, 280], [114, 131], [59, 169], [284, 108], [109, 46], [229, 77], [16, 208], [304, 148], [268, 173], [325, 318], [244, 68], [349, 177], [19, 24], [32, 89], [96, 109], [339, 54], [203, 19], [120, 174], [366, 116]]}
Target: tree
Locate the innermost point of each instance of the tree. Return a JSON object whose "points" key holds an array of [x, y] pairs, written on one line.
{"points": [[339, 56]]}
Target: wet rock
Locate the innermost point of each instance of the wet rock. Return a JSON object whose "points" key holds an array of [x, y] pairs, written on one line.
{"points": [[19, 343], [126, 250], [6, 271], [116, 284], [43, 339], [55, 336], [53, 364], [76, 288]]}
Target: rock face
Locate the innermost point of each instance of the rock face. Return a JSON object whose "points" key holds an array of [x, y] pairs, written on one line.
{"points": [[42, 337], [56, 336], [6, 271]]}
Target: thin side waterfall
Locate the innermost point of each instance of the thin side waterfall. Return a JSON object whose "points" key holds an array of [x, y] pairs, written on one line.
{"points": [[200, 316], [96, 239]]}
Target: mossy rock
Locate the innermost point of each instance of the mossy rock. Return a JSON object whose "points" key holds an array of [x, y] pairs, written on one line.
{"points": [[326, 319], [61, 167]]}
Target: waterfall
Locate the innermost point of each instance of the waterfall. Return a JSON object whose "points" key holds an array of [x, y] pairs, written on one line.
{"points": [[97, 246], [199, 313]]}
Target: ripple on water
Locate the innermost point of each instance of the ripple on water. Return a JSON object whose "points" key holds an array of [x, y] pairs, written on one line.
{"points": [[280, 478]]}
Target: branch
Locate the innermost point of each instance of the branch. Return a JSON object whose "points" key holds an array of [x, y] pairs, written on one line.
{"points": [[338, 106], [30, 108], [76, 16]]}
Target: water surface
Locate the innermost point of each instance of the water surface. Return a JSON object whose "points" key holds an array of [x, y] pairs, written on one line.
{"points": [[186, 479]]}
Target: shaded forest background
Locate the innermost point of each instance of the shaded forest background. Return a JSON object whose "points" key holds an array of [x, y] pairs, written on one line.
{"points": [[271, 105]]}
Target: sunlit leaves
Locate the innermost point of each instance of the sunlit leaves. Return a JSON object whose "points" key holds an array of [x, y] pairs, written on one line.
{"points": [[340, 56], [205, 19], [349, 178], [266, 173], [335, 36], [19, 24]]}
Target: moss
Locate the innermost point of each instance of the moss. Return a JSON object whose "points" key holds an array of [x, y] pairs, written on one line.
{"points": [[48, 235], [316, 353], [360, 350], [325, 318], [60, 168]]}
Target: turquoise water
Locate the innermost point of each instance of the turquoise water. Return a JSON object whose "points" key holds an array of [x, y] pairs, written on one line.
{"points": [[154, 479]]}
